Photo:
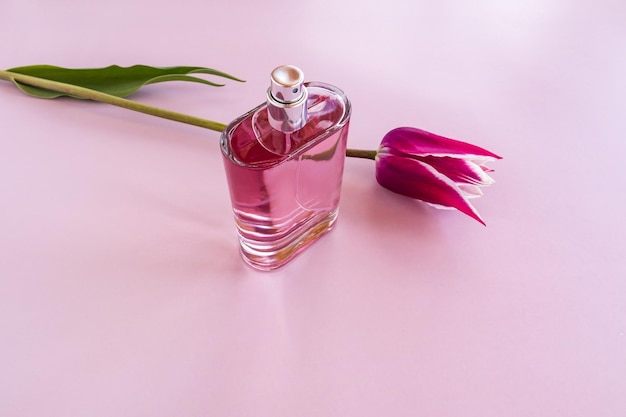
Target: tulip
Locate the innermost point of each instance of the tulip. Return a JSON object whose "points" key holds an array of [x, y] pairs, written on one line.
{"points": [[442, 172]]}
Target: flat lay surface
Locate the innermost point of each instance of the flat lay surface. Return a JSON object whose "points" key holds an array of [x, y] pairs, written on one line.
{"points": [[122, 292]]}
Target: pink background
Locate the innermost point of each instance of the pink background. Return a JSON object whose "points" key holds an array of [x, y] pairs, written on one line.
{"points": [[121, 289]]}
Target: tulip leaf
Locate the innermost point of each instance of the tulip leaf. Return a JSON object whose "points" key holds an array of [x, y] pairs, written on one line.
{"points": [[114, 80]]}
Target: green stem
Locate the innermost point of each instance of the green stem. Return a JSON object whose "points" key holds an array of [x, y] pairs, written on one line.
{"points": [[99, 96], [361, 153], [95, 95]]}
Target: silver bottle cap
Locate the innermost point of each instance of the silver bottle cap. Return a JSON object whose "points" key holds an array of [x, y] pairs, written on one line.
{"points": [[286, 99]]}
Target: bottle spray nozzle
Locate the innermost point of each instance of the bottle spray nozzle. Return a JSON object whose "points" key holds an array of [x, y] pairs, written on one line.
{"points": [[286, 99]]}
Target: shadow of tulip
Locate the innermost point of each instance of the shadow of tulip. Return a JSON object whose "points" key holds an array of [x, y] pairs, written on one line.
{"points": [[365, 204], [383, 228]]}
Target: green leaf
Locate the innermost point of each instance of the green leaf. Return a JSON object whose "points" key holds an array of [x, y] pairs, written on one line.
{"points": [[114, 80]]}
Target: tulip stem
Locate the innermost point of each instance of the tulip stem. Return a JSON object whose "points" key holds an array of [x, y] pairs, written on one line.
{"points": [[86, 93], [361, 153]]}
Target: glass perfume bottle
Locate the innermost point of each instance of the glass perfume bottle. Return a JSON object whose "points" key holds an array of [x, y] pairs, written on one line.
{"points": [[284, 165]]}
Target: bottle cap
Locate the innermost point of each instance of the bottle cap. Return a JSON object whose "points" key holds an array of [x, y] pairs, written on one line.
{"points": [[286, 99]]}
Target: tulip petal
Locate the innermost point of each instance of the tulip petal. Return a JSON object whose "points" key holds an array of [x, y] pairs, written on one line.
{"points": [[412, 141], [458, 170], [416, 179], [470, 190]]}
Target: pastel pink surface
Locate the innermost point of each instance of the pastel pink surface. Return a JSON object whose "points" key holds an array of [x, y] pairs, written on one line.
{"points": [[121, 289]]}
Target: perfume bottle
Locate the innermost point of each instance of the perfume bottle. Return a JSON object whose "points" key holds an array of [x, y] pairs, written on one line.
{"points": [[284, 165]]}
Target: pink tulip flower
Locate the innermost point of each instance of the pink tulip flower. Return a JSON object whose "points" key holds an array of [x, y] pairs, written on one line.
{"points": [[443, 172]]}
